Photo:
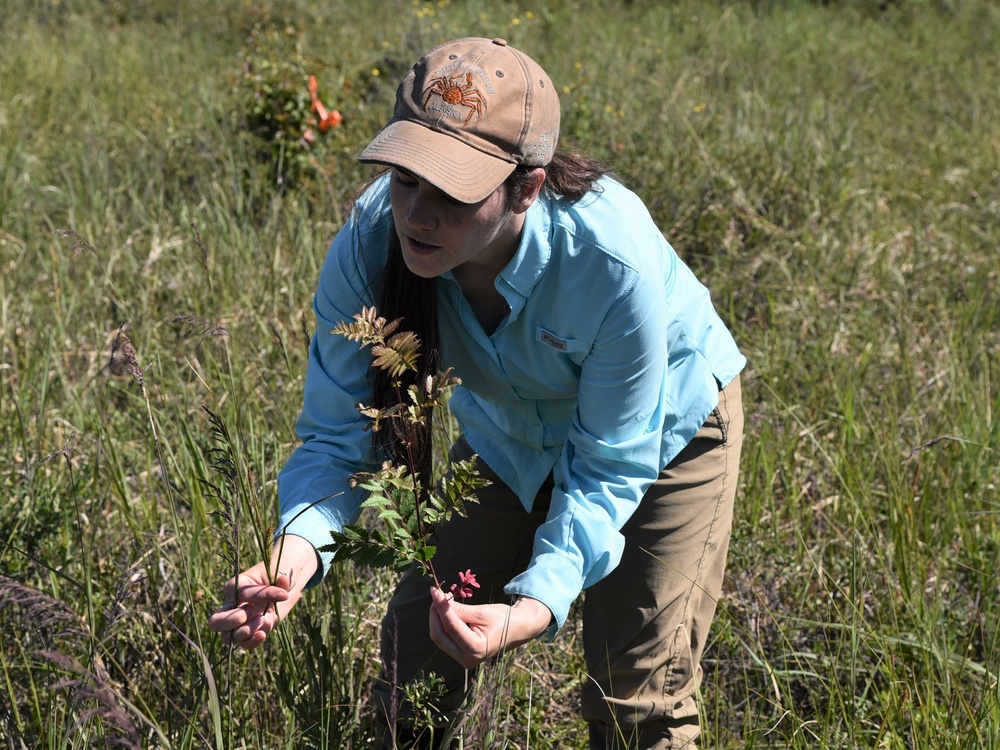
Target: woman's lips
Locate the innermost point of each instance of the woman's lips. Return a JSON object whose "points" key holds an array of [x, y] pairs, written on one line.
{"points": [[420, 248]]}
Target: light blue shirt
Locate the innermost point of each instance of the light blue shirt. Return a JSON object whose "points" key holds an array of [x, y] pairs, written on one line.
{"points": [[610, 360]]}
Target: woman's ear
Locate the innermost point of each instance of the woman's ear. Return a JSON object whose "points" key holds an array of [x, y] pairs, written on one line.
{"points": [[531, 188]]}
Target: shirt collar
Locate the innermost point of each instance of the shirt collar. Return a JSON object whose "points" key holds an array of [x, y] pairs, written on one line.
{"points": [[534, 250]]}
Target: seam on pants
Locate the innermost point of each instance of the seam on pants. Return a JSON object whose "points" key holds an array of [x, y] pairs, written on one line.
{"points": [[718, 507], [726, 471], [723, 422]]}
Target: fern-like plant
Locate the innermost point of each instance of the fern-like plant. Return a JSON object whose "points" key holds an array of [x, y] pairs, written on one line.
{"points": [[408, 507]]}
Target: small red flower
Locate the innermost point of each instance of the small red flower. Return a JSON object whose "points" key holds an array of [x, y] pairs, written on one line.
{"points": [[464, 589]]}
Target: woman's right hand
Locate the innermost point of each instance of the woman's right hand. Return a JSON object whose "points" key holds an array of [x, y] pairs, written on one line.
{"points": [[253, 603]]}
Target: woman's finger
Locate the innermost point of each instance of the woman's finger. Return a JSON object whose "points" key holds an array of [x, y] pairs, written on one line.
{"points": [[451, 613], [253, 641], [230, 617], [262, 593], [440, 637], [451, 633], [250, 607], [236, 616], [254, 624]]}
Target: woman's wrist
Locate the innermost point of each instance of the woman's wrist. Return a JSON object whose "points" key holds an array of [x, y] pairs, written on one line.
{"points": [[296, 556], [532, 616]]}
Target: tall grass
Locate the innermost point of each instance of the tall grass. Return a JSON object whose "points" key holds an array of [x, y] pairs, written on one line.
{"points": [[831, 170]]}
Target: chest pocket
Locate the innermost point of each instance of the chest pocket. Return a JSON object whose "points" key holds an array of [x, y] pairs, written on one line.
{"points": [[574, 349]]}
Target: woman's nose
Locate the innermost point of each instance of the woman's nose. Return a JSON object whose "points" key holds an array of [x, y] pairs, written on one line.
{"points": [[421, 214]]}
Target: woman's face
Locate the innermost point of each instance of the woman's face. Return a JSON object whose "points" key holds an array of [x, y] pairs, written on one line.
{"points": [[439, 234]]}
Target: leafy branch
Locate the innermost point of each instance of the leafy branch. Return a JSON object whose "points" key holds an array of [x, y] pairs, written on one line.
{"points": [[406, 503]]}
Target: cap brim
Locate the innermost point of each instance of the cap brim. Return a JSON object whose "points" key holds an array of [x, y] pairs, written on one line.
{"points": [[463, 172]]}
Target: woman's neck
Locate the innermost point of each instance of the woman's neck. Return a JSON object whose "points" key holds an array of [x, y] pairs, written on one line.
{"points": [[486, 302], [478, 282]]}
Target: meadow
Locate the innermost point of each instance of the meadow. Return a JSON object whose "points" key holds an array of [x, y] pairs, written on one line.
{"points": [[830, 169]]}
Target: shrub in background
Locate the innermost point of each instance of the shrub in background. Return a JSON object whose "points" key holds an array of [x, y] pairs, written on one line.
{"points": [[279, 104]]}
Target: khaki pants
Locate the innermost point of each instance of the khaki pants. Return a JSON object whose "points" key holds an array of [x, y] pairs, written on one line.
{"points": [[644, 626]]}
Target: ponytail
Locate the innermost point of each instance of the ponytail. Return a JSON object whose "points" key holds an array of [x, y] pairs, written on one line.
{"points": [[569, 176]]}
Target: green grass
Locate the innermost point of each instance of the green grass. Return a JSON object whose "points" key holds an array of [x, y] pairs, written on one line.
{"points": [[831, 171]]}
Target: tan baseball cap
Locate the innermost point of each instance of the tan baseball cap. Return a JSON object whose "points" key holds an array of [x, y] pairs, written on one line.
{"points": [[467, 114]]}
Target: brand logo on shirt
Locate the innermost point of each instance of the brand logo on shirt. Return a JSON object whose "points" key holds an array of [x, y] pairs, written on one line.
{"points": [[554, 341]]}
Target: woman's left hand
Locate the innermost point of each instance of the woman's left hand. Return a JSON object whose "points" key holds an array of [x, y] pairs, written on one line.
{"points": [[473, 633]]}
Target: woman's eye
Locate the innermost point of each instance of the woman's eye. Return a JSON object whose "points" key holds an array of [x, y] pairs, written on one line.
{"points": [[405, 179]]}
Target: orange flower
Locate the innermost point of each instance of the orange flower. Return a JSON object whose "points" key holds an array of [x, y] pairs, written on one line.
{"points": [[327, 119]]}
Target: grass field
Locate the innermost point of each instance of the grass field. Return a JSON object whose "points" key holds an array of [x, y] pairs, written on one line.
{"points": [[831, 170]]}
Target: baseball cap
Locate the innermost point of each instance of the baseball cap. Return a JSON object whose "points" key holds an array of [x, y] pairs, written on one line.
{"points": [[467, 114]]}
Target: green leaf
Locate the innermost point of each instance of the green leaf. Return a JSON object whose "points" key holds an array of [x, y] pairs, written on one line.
{"points": [[424, 553], [375, 500], [369, 549]]}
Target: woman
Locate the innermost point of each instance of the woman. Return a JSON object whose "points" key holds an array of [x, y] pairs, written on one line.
{"points": [[600, 392]]}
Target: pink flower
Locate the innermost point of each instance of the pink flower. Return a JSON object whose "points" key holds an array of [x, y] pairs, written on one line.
{"points": [[469, 577], [468, 582]]}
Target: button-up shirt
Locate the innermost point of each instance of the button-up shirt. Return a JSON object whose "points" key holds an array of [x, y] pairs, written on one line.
{"points": [[608, 363]]}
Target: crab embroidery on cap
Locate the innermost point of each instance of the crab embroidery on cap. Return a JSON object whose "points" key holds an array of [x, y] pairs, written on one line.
{"points": [[455, 93]]}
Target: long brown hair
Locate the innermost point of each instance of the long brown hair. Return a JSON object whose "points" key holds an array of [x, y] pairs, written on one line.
{"points": [[402, 294]]}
